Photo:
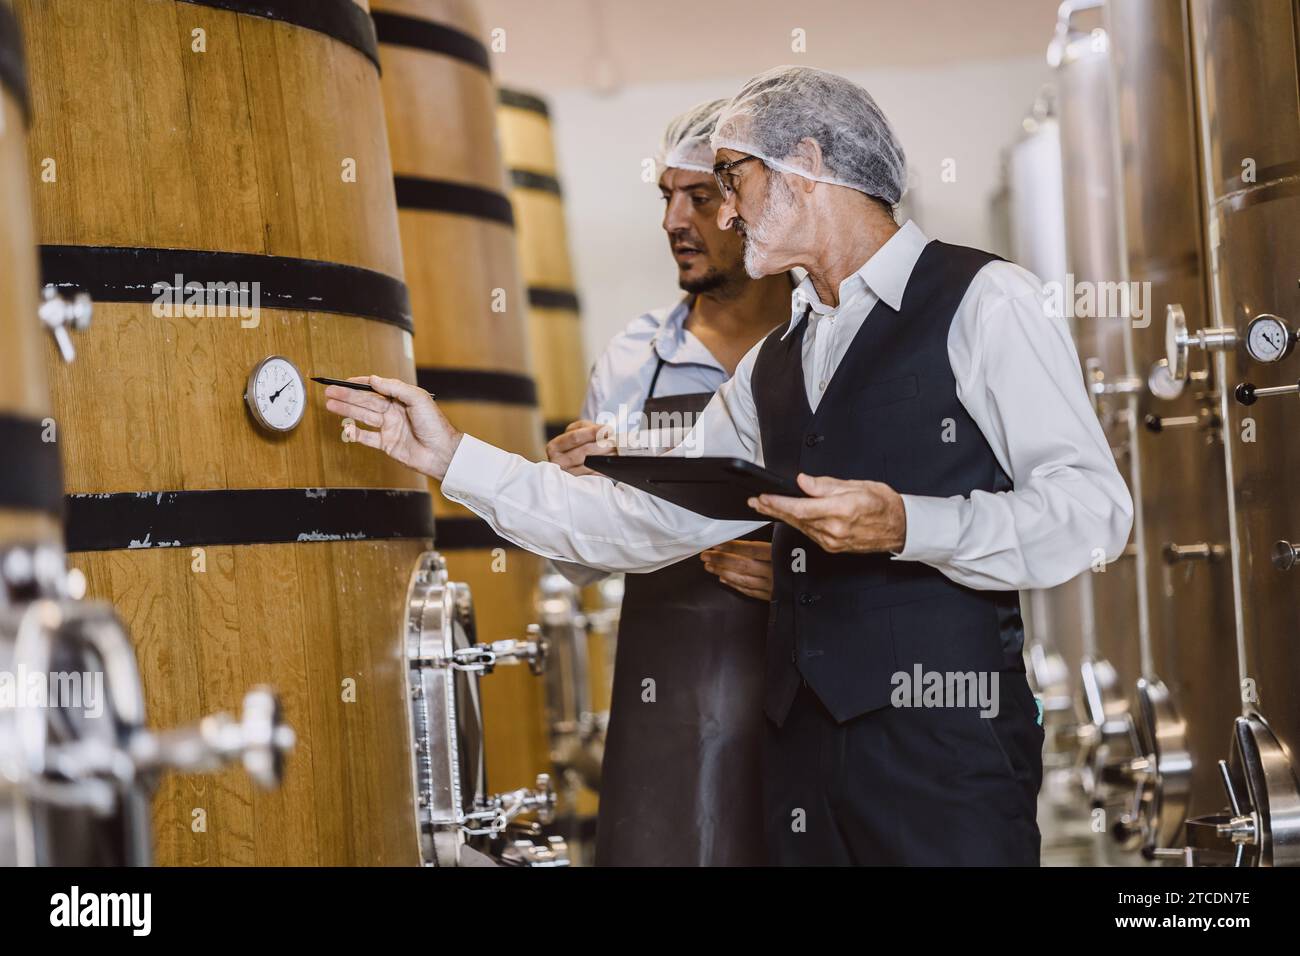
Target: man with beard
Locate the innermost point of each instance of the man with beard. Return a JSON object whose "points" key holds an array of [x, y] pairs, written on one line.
{"points": [[680, 783], [935, 415]]}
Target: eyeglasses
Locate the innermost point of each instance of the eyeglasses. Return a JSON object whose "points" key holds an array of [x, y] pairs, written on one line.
{"points": [[722, 173]]}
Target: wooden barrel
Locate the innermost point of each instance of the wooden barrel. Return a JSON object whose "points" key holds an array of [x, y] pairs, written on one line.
{"points": [[198, 142], [30, 496], [529, 153], [471, 332]]}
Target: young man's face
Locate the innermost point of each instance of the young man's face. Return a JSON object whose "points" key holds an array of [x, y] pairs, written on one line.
{"points": [[709, 259]]}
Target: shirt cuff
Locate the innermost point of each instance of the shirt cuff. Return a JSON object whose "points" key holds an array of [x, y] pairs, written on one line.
{"points": [[474, 470], [933, 526]]}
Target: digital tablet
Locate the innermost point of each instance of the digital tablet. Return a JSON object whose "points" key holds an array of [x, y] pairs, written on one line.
{"points": [[713, 487]]}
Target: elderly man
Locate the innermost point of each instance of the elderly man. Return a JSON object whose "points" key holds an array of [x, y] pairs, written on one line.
{"points": [[681, 783], [936, 418]]}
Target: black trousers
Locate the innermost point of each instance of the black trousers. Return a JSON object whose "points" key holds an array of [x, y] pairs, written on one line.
{"points": [[905, 786]]}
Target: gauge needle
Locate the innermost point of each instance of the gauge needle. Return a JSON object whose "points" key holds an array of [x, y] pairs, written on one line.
{"points": [[282, 388]]}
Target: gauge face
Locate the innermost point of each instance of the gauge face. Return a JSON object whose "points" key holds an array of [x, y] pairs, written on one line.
{"points": [[1268, 339], [1162, 383], [275, 394]]}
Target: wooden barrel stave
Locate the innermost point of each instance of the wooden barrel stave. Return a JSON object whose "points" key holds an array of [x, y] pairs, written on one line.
{"points": [[471, 332], [240, 149]]}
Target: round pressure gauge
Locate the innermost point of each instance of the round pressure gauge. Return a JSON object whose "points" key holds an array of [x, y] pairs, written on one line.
{"points": [[1162, 383], [275, 394], [1269, 338]]}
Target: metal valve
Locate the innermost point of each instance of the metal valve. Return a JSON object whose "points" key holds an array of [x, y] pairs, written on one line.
{"points": [[1285, 555], [1248, 394], [1179, 340], [1201, 551], [1097, 384], [1241, 828], [259, 740], [501, 809], [482, 658], [61, 310]]}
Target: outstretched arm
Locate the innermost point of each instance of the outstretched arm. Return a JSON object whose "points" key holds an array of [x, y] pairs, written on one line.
{"points": [[589, 519]]}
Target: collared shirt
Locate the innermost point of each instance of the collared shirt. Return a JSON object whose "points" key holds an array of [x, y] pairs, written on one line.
{"points": [[1017, 374], [620, 381]]}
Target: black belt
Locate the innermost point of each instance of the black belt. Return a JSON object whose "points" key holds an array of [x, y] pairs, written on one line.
{"points": [[30, 478], [182, 519], [341, 19], [126, 274], [400, 30], [13, 77]]}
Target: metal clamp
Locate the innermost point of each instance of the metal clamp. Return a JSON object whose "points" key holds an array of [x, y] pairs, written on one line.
{"points": [[61, 310], [482, 658], [500, 810]]}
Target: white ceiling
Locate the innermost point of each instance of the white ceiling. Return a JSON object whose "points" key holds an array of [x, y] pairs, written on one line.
{"points": [[608, 44]]}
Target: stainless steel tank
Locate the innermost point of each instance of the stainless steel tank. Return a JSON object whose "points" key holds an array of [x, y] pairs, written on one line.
{"points": [[1092, 296], [1187, 692], [1245, 62]]}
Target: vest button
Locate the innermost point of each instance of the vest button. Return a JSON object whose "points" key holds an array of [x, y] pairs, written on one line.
{"points": [[813, 440]]}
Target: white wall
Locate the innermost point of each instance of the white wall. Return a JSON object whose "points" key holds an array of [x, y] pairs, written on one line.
{"points": [[968, 112]]}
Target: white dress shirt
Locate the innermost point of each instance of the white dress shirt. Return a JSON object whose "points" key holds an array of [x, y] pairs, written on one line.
{"points": [[622, 375], [1017, 374]]}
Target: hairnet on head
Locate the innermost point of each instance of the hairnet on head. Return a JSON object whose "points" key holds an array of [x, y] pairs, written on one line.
{"points": [[686, 140], [775, 110]]}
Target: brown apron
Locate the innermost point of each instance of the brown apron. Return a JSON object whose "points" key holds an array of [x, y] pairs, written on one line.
{"points": [[680, 784]]}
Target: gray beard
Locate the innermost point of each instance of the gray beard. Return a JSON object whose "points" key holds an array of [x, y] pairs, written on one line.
{"points": [[759, 233]]}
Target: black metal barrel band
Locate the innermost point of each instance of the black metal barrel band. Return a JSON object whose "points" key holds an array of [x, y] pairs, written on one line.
{"points": [[468, 534], [343, 20], [400, 30], [520, 100], [462, 199], [544, 297], [30, 476], [124, 274], [478, 385], [183, 519], [13, 75], [540, 182]]}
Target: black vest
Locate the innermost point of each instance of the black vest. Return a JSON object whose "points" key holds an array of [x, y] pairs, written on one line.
{"points": [[847, 623]]}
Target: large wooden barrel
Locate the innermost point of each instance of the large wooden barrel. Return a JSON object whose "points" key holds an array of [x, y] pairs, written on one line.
{"points": [[529, 152], [200, 142], [471, 332], [29, 484]]}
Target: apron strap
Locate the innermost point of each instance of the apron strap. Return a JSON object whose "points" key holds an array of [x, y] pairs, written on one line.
{"points": [[655, 377]]}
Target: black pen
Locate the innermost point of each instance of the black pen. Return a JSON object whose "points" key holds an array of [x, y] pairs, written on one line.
{"points": [[359, 386]]}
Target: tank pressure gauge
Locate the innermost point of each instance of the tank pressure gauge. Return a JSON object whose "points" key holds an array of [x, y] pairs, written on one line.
{"points": [[275, 394], [1161, 382], [1269, 338]]}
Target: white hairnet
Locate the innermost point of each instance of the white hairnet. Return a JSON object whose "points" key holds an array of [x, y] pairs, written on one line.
{"points": [[686, 140], [775, 110]]}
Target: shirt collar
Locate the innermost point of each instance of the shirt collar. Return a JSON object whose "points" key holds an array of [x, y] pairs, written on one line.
{"points": [[674, 344], [885, 274]]}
